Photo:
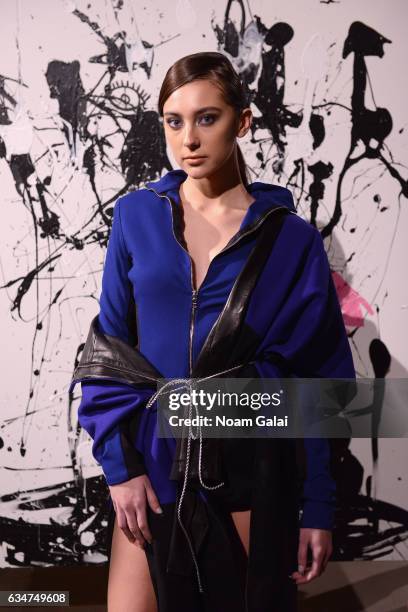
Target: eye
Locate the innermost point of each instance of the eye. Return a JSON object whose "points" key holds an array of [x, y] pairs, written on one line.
{"points": [[209, 120], [211, 117], [170, 120]]}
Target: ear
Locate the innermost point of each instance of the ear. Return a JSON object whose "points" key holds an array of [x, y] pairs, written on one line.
{"points": [[244, 122]]}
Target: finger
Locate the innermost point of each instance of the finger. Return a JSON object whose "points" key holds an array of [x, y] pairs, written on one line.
{"points": [[142, 523], [134, 527], [326, 559], [122, 524], [302, 555], [152, 499], [316, 567], [299, 578]]}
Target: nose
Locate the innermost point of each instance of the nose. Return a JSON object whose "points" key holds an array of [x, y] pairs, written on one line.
{"points": [[191, 140]]}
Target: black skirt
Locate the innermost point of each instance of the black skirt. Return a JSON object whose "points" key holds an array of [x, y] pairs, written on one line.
{"points": [[222, 562], [222, 557]]}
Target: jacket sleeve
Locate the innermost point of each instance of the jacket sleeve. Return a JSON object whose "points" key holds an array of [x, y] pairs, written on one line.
{"points": [[308, 339], [109, 410], [110, 413]]}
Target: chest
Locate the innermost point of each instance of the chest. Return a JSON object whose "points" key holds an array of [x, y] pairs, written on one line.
{"points": [[206, 233], [173, 254]]}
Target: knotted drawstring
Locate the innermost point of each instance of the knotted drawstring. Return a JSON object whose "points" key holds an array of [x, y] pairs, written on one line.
{"points": [[189, 384]]}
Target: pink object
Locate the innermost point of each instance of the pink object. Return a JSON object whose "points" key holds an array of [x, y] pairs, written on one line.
{"points": [[351, 302]]}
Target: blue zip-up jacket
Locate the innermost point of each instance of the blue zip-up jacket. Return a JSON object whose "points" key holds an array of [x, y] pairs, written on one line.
{"points": [[146, 299]]}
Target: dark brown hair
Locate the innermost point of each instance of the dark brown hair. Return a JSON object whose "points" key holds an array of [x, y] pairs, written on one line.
{"points": [[217, 68]]}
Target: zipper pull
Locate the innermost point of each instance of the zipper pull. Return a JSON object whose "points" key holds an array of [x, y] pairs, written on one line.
{"points": [[194, 297]]}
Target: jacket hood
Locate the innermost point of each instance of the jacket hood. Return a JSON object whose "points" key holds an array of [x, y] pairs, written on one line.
{"points": [[266, 195]]}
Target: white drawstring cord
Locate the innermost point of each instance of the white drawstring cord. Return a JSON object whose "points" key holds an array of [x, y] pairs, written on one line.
{"points": [[189, 384]]}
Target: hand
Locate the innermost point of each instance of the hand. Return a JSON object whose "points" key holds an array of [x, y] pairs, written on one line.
{"points": [[129, 501], [320, 541]]}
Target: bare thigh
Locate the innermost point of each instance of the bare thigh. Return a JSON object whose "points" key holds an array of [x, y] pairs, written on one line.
{"points": [[130, 587], [242, 522]]}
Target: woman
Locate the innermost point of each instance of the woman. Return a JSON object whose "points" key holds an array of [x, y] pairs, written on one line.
{"points": [[207, 275]]}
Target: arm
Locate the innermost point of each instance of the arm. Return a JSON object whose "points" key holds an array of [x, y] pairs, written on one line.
{"points": [[307, 339], [109, 410], [110, 413]]}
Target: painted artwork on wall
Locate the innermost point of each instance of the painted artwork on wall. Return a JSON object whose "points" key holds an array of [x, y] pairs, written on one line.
{"points": [[79, 127]]}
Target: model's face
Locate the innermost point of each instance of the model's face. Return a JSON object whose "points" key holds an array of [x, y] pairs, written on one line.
{"points": [[198, 122]]}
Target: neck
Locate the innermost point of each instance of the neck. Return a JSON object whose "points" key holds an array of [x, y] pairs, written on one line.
{"points": [[224, 188]]}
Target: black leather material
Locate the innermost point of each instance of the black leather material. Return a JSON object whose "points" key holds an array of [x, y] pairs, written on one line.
{"points": [[108, 357], [105, 356]]}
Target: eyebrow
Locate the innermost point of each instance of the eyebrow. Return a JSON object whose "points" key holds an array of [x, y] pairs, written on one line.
{"points": [[200, 110]]}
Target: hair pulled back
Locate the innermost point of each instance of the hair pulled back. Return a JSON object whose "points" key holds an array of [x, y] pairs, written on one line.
{"points": [[217, 68]]}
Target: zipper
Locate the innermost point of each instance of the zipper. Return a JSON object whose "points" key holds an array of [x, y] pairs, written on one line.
{"points": [[172, 226], [194, 291], [194, 299], [230, 244]]}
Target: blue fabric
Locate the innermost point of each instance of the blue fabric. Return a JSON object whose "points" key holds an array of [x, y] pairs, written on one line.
{"points": [[308, 332], [294, 308], [104, 406]]}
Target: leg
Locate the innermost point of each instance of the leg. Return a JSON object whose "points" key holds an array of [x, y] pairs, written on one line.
{"points": [[130, 587], [242, 522]]}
